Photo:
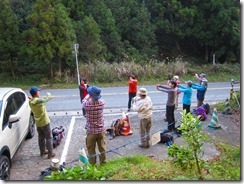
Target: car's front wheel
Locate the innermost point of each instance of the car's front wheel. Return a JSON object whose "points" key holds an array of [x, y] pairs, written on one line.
{"points": [[4, 168], [32, 128]]}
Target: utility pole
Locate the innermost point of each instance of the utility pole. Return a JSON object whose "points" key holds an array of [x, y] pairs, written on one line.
{"points": [[76, 46]]}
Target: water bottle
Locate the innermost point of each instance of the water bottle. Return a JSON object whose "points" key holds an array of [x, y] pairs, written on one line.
{"points": [[83, 160]]}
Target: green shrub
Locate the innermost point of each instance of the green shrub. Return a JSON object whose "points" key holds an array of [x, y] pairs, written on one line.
{"points": [[87, 172], [194, 137]]}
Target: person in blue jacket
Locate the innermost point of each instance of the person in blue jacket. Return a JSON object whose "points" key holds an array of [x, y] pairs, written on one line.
{"points": [[187, 94], [201, 91]]}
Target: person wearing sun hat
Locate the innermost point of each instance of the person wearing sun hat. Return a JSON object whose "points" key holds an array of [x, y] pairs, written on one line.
{"points": [[143, 105], [187, 94], [95, 129], [42, 121]]}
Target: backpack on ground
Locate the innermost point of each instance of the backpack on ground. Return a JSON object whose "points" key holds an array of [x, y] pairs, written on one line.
{"points": [[201, 112], [166, 138], [116, 128], [48, 171], [207, 108], [58, 135]]}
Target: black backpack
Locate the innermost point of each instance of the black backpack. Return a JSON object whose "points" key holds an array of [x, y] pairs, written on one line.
{"points": [[166, 137]]}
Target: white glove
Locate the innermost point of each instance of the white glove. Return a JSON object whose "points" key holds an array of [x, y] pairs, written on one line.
{"points": [[49, 94]]}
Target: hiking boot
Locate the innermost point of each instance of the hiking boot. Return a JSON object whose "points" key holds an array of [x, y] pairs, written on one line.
{"points": [[44, 153], [51, 156], [143, 145]]}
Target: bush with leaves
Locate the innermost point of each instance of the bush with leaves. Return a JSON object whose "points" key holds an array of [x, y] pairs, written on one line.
{"points": [[194, 138], [87, 172]]}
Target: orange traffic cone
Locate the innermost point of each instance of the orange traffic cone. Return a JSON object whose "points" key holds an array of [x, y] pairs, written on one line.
{"points": [[126, 125]]}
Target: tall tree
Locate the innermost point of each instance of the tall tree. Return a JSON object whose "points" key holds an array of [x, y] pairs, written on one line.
{"points": [[75, 9], [51, 36], [217, 29], [141, 33], [109, 32], [22, 9], [89, 39], [178, 18], [133, 21], [64, 36], [9, 38]]}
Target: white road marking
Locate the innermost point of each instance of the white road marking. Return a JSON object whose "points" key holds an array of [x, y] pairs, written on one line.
{"points": [[68, 139]]}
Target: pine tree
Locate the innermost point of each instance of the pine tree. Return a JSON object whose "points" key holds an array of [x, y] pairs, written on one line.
{"points": [[9, 38], [51, 35]]}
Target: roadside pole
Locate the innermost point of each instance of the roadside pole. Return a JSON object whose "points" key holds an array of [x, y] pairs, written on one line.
{"points": [[76, 46]]}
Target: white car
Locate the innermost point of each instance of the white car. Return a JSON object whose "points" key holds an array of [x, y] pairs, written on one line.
{"points": [[16, 124]]}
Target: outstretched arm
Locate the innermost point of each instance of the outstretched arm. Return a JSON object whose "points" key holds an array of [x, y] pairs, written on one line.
{"points": [[163, 88], [198, 86]]}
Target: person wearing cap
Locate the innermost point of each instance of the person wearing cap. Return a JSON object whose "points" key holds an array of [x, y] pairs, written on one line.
{"points": [[143, 105], [42, 121], [132, 82], [170, 104], [95, 129], [201, 77], [187, 94], [201, 91]]}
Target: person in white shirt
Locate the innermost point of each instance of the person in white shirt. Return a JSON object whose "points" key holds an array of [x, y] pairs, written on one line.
{"points": [[143, 105]]}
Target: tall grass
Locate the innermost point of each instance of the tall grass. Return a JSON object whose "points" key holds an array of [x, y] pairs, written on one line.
{"points": [[116, 74], [101, 72]]}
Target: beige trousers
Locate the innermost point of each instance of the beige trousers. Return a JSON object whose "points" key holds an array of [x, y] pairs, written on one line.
{"points": [[91, 141], [145, 126]]}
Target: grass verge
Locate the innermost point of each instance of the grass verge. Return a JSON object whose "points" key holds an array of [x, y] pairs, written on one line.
{"points": [[226, 167]]}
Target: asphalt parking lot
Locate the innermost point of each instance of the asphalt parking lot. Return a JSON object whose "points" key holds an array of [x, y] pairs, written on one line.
{"points": [[28, 165]]}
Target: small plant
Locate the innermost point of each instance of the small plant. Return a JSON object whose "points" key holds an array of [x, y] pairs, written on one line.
{"points": [[193, 136], [87, 172]]}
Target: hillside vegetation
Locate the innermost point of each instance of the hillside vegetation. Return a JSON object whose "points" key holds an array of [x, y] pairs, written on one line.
{"points": [[43, 37]]}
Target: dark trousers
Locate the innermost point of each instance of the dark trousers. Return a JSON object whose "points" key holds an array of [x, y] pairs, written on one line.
{"points": [[187, 108], [170, 117], [199, 103], [131, 96], [83, 109], [45, 140]]}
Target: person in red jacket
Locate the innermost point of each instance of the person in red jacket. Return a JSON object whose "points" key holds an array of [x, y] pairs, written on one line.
{"points": [[132, 82], [83, 92]]}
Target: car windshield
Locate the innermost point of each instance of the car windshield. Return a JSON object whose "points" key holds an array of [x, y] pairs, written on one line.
{"points": [[1, 102]]}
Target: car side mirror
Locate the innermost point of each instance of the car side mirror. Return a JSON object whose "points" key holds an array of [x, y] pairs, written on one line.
{"points": [[13, 119]]}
